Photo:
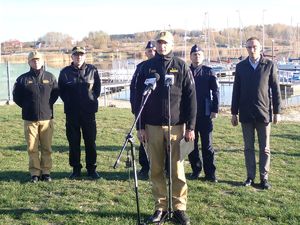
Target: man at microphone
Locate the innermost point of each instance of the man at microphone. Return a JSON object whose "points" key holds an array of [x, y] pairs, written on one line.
{"points": [[143, 159], [167, 69]]}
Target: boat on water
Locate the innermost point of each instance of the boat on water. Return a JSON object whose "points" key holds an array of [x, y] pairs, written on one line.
{"points": [[289, 66], [289, 71]]}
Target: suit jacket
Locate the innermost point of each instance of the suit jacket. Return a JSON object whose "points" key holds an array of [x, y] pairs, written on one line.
{"points": [[256, 92]]}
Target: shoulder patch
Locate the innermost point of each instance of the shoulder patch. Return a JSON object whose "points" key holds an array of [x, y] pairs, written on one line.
{"points": [[173, 70]]}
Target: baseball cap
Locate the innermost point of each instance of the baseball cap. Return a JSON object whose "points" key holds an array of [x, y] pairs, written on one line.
{"points": [[195, 48], [78, 49], [34, 55], [165, 36]]}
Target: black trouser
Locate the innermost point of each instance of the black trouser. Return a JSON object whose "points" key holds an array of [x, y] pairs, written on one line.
{"points": [[143, 159], [204, 126], [87, 124]]}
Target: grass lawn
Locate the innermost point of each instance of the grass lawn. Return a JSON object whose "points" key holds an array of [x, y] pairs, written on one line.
{"points": [[111, 199]]}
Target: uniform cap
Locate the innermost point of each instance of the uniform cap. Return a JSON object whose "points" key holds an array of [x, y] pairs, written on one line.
{"points": [[78, 49], [165, 36], [34, 55], [149, 45], [195, 48]]}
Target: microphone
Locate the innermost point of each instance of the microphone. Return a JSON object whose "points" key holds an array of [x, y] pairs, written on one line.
{"points": [[169, 80], [151, 83]]}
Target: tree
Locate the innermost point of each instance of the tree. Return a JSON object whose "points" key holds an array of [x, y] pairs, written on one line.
{"points": [[56, 40], [97, 39]]}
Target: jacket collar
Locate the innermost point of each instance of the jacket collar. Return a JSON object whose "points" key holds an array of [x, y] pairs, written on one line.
{"points": [[167, 57]]}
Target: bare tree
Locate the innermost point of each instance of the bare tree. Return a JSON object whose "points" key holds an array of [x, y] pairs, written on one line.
{"points": [[97, 39]]}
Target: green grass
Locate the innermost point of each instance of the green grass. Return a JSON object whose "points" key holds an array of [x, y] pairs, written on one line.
{"points": [[111, 199]]}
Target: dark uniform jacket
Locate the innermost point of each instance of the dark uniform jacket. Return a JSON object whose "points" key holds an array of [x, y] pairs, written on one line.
{"points": [[36, 93], [79, 88], [207, 90], [256, 92], [133, 85], [183, 94]]}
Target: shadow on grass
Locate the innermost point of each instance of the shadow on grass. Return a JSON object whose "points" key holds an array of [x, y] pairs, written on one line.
{"points": [[285, 153], [65, 148], [17, 213], [287, 136], [24, 177]]}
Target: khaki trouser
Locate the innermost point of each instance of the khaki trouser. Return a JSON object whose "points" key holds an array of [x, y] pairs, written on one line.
{"points": [[39, 134], [157, 143], [263, 134]]}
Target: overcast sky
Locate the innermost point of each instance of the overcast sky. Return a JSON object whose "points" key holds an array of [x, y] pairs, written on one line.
{"points": [[27, 20]]}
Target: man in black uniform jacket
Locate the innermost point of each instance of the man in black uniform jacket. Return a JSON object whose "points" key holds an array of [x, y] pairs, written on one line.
{"points": [[35, 92], [143, 158], [153, 128], [207, 90], [79, 86]]}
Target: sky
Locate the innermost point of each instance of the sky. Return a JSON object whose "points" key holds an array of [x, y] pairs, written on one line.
{"points": [[27, 20]]}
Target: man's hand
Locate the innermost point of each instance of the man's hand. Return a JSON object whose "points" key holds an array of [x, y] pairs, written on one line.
{"points": [[276, 118], [213, 115], [189, 135], [234, 120], [142, 136]]}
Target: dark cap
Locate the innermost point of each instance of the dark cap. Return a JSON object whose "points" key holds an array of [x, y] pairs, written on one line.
{"points": [[150, 45], [78, 49], [195, 48]]}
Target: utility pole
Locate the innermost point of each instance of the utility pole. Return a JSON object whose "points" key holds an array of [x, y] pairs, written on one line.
{"points": [[263, 30], [241, 35], [207, 37]]}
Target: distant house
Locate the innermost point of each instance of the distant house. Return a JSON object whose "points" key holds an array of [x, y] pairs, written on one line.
{"points": [[11, 46]]}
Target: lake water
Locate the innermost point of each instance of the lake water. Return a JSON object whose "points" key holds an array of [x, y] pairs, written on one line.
{"points": [[15, 70], [18, 69]]}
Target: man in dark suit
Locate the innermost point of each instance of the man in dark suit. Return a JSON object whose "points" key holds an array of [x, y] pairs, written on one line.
{"points": [[256, 98]]}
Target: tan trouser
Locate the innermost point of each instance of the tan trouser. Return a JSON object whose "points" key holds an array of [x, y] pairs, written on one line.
{"points": [[39, 133], [157, 143]]}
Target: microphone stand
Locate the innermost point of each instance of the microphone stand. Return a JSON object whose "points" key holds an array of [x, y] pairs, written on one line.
{"points": [[130, 139], [168, 216]]}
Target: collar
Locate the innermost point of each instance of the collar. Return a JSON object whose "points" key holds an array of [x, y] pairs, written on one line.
{"points": [[167, 57]]}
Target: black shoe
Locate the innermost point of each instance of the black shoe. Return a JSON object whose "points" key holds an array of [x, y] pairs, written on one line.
{"points": [[157, 216], [46, 177], [143, 174], [93, 174], [248, 182], [195, 175], [34, 179], [181, 217], [264, 184], [211, 179], [75, 174]]}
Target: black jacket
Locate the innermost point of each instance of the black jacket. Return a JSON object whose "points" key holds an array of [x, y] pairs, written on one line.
{"points": [[183, 94], [79, 89], [256, 92], [36, 93], [133, 85], [207, 90]]}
